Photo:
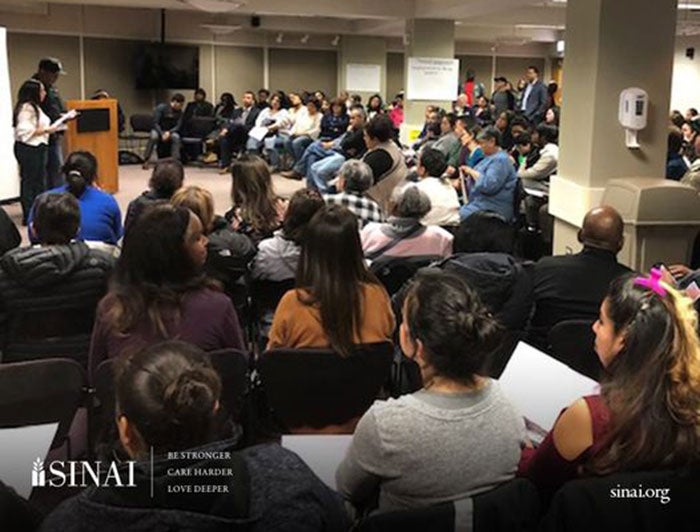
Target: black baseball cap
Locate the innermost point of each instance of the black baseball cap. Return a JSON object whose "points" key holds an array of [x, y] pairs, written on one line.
{"points": [[51, 64], [500, 78]]}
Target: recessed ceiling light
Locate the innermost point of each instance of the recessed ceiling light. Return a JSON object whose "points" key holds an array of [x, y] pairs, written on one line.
{"points": [[220, 29], [214, 6]]}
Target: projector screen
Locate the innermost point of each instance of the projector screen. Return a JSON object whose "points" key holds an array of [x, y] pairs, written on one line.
{"points": [[9, 175]]}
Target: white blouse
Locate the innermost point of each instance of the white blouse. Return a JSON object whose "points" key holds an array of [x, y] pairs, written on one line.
{"points": [[27, 124]]}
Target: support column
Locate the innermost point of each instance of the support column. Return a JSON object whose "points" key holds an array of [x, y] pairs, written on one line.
{"points": [[610, 45], [426, 38], [367, 51]]}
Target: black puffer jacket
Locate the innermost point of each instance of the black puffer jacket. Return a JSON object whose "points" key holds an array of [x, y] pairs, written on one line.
{"points": [[49, 292]]}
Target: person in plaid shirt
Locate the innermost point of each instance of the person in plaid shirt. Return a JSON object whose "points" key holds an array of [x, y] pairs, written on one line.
{"points": [[354, 179]]}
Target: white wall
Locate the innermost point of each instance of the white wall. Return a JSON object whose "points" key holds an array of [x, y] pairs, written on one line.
{"points": [[685, 88]]}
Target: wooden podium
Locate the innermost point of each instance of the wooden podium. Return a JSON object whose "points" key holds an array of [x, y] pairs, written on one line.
{"points": [[97, 130]]}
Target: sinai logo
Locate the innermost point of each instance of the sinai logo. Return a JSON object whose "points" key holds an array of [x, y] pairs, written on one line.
{"points": [[79, 474]]}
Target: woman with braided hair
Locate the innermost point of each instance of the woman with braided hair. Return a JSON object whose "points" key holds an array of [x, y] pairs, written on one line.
{"points": [[457, 436], [647, 414]]}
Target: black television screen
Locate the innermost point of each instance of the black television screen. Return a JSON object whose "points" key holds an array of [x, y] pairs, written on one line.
{"points": [[167, 66]]}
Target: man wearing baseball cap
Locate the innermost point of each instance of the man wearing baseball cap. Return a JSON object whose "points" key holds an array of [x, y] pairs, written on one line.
{"points": [[503, 99], [53, 106]]}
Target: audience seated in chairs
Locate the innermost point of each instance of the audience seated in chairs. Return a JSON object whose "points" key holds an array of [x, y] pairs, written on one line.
{"points": [[492, 182], [448, 143], [49, 292], [354, 179], [569, 287], [228, 253], [306, 129], [223, 112], [403, 234], [100, 218], [167, 399], [199, 107], [457, 436], [647, 415], [444, 203], [257, 212], [167, 177], [331, 271], [159, 290], [234, 134], [167, 126]]}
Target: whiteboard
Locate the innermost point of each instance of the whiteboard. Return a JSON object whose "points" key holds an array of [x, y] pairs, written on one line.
{"points": [[9, 175], [363, 77], [432, 78]]}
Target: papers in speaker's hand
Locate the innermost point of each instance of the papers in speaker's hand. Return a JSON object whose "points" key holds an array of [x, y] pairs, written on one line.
{"points": [[540, 386]]}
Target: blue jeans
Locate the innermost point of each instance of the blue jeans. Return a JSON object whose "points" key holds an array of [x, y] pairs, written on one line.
{"points": [[253, 145], [297, 145], [315, 152], [324, 170]]}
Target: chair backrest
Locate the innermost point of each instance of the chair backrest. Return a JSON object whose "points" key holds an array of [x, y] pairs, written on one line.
{"points": [[141, 123], [267, 294], [572, 343], [41, 391], [514, 505], [644, 501], [318, 388], [394, 272], [199, 127]]}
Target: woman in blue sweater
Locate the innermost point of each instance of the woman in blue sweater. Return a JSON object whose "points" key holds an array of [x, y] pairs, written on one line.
{"points": [[491, 183], [100, 217]]}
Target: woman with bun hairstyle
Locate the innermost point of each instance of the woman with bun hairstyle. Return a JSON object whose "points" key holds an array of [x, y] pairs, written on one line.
{"points": [[457, 436], [100, 217], [159, 290], [647, 414], [185, 479]]}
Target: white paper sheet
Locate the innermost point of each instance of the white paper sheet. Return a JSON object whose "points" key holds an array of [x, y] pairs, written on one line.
{"points": [[363, 77], [321, 452], [540, 386], [258, 133], [432, 78], [19, 448]]}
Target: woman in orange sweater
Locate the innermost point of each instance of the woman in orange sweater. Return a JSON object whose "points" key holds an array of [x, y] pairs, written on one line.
{"points": [[338, 303]]}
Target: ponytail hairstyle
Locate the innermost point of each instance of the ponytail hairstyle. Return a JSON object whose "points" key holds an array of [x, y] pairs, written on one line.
{"points": [[652, 386], [457, 331], [80, 171], [169, 392]]}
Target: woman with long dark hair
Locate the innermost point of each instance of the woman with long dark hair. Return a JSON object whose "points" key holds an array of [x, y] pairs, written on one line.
{"points": [[185, 477], [100, 217], [338, 302], [32, 130], [257, 211], [159, 290], [647, 415]]}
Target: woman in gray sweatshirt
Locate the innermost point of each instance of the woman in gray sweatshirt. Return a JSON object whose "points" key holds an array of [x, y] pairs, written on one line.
{"points": [[456, 437]]}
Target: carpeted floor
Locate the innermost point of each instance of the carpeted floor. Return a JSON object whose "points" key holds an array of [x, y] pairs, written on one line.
{"points": [[133, 180]]}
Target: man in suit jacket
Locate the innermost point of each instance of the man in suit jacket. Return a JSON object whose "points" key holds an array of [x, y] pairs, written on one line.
{"points": [[534, 102], [235, 133], [569, 287]]}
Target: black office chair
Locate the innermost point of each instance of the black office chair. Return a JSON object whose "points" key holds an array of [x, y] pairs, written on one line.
{"points": [[394, 272], [497, 361], [513, 506], [311, 389], [264, 298], [198, 129], [645, 501], [571, 342], [40, 392]]}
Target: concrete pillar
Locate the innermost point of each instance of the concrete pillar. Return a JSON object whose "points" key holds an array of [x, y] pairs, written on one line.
{"points": [[610, 45], [426, 38], [366, 51]]}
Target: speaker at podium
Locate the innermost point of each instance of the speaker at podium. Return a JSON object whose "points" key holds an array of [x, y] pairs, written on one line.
{"points": [[96, 129]]}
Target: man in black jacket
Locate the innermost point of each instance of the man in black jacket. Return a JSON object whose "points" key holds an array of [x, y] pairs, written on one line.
{"points": [[570, 287], [167, 125], [53, 288], [234, 135]]}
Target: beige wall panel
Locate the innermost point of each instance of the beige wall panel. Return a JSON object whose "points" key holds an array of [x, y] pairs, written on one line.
{"points": [[296, 70]]}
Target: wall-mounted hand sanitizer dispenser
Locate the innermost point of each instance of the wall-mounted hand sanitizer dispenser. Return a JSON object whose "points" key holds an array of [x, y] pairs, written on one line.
{"points": [[633, 113]]}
